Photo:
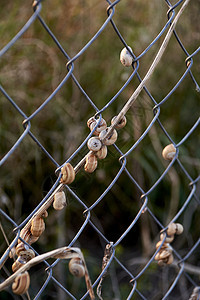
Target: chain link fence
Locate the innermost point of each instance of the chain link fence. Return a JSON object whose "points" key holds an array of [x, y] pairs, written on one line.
{"points": [[115, 214]]}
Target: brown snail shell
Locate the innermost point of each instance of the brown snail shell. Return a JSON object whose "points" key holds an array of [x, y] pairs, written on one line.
{"points": [[169, 152], [120, 124], [125, 57], [165, 245], [102, 153], [59, 201], [92, 122], [21, 283], [111, 139], [16, 266], [44, 214], [12, 252], [68, 174], [94, 144], [37, 226], [91, 163], [26, 255], [21, 247], [76, 267], [168, 239]]}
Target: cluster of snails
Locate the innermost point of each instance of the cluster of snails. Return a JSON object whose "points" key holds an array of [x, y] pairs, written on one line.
{"points": [[24, 253], [98, 144], [165, 256]]}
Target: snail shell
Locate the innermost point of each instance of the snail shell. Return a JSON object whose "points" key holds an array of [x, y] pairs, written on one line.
{"points": [[91, 163], [102, 153], [164, 254], [169, 152], [37, 226], [174, 228], [26, 255], [59, 201], [68, 174], [44, 214], [21, 283], [165, 245], [94, 144], [92, 122], [12, 252], [120, 124], [16, 266], [168, 239], [125, 57], [111, 139], [21, 247], [76, 267]]}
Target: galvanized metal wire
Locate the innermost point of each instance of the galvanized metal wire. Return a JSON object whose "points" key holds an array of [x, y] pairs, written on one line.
{"points": [[131, 279]]}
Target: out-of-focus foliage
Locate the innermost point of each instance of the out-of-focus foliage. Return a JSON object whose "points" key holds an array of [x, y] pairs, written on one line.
{"points": [[32, 69]]}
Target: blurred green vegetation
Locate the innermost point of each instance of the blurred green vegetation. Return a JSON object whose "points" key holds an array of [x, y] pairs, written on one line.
{"points": [[33, 68]]}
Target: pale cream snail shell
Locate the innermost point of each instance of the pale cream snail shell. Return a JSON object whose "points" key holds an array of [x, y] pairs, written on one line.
{"points": [[37, 226], [68, 174], [59, 200], [169, 152], [91, 163], [76, 267], [168, 239], [125, 57], [102, 153], [94, 144], [21, 283], [110, 139], [120, 124], [174, 228], [92, 122]]}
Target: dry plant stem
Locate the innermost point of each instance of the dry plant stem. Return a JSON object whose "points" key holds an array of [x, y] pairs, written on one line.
{"points": [[61, 253], [150, 71]]}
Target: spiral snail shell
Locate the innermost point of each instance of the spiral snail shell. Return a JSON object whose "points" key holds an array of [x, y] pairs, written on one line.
{"points": [[37, 226], [21, 283], [125, 57], [102, 153], [174, 228], [91, 163], [76, 267], [16, 266], [92, 122], [169, 152], [68, 174], [109, 140], [59, 201], [26, 255], [94, 144], [120, 124]]}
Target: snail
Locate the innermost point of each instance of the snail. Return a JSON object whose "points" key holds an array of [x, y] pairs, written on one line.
{"points": [[26, 255], [102, 153], [68, 174], [174, 228], [94, 144], [37, 226], [21, 283], [169, 152], [166, 261], [59, 201], [27, 237], [109, 140], [16, 265], [169, 238], [92, 122], [91, 163], [125, 57], [76, 267], [120, 124]]}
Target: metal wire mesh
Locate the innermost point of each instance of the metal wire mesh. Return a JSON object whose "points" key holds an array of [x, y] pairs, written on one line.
{"points": [[128, 280]]}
